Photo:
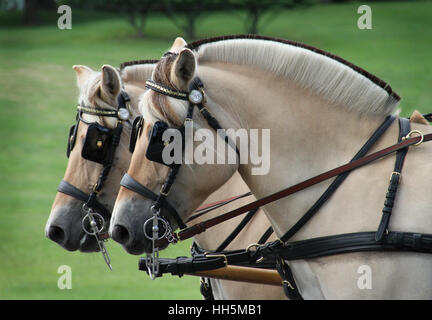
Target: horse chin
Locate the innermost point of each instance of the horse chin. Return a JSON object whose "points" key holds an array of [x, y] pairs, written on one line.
{"points": [[138, 248], [88, 243]]}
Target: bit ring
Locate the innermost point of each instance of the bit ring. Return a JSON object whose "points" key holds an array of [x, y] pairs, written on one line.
{"points": [[95, 217], [165, 225]]}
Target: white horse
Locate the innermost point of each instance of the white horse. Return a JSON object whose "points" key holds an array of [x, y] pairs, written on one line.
{"points": [[320, 110], [101, 90]]}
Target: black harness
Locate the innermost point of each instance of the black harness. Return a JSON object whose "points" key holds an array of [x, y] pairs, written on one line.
{"points": [[158, 228], [100, 145], [274, 254]]}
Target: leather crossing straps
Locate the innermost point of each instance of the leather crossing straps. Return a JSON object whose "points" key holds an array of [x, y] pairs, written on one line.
{"points": [[277, 251], [202, 226]]}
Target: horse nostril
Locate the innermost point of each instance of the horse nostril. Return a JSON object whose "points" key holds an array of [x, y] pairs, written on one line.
{"points": [[56, 234], [120, 234]]}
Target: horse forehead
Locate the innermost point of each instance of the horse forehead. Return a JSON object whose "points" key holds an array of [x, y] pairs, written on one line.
{"points": [[157, 106]]}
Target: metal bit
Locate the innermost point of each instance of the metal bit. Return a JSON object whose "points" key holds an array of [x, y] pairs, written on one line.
{"points": [[95, 231]]}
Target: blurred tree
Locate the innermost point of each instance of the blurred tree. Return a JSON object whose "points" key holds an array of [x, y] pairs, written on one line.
{"points": [[137, 12], [31, 15], [256, 9], [31, 10], [185, 13]]}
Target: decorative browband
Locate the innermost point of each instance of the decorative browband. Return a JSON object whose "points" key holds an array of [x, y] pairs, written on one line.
{"points": [[98, 112], [122, 113], [165, 90]]}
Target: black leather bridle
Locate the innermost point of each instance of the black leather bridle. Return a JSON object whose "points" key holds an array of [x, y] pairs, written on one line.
{"points": [[195, 97], [100, 146]]}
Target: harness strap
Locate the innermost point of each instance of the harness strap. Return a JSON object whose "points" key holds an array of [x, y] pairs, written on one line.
{"points": [[206, 289], [214, 205], [288, 282], [130, 183], [266, 235], [237, 230], [337, 181], [404, 129], [70, 190], [345, 243], [201, 227]]}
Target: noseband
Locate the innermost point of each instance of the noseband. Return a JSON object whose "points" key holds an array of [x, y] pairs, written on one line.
{"points": [[100, 145], [195, 97]]}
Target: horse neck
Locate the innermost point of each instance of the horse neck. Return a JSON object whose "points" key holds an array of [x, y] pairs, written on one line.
{"points": [[134, 90], [308, 135]]}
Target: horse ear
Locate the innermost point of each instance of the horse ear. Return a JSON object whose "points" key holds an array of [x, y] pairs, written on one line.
{"points": [[184, 68], [82, 73], [417, 117], [110, 80], [179, 43]]}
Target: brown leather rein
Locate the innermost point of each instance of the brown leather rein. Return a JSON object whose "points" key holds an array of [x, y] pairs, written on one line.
{"points": [[204, 225]]}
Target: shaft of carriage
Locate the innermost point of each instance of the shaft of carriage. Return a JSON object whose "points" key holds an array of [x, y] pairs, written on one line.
{"points": [[242, 274]]}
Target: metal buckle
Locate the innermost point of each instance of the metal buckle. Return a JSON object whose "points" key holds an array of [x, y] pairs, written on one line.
{"points": [[398, 173], [203, 109], [288, 284], [256, 245], [409, 136], [217, 256], [94, 188]]}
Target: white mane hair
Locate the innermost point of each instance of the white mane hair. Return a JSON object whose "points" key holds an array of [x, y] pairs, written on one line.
{"points": [[137, 72], [333, 80]]}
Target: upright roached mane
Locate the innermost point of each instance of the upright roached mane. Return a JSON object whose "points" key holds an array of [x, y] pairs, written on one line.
{"points": [[337, 80], [137, 71]]}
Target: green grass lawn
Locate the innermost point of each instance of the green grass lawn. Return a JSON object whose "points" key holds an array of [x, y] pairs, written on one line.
{"points": [[37, 105]]}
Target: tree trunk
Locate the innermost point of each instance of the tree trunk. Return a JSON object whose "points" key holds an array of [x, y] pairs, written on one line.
{"points": [[253, 25], [190, 27], [31, 16]]}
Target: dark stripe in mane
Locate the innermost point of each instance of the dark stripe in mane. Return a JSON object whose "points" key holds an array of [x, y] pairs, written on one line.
{"points": [[135, 62], [195, 45]]}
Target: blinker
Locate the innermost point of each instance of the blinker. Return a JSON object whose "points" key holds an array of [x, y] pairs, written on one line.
{"points": [[156, 143], [96, 143]]}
